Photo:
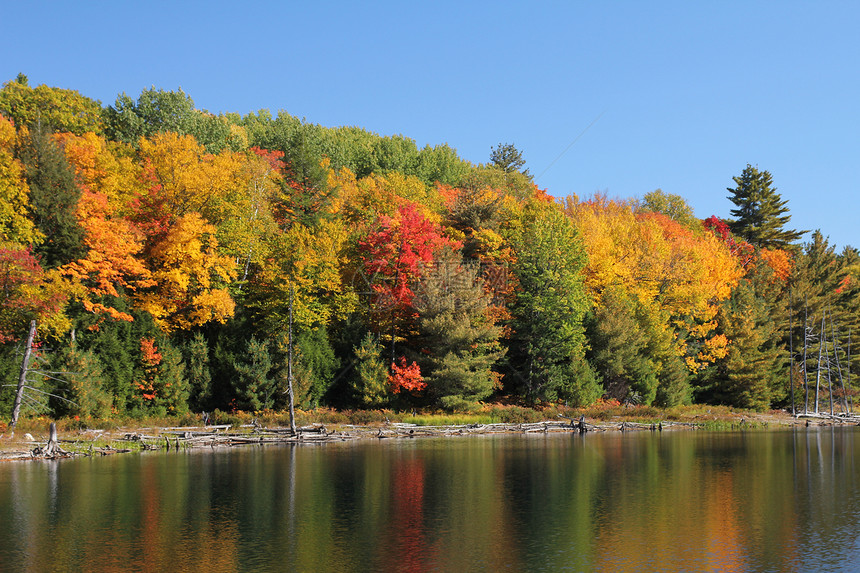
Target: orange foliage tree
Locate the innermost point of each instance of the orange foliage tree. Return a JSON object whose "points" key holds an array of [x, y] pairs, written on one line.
{"points": [[189, 275], [678, 274]]}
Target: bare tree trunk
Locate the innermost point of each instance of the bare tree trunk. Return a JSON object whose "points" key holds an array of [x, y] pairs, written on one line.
{"points": [[53, 446], [791, 351], [838, 365], [829, 379], [805, 354], [290, 366], [818, 372], [25, 366], [848, 374]]}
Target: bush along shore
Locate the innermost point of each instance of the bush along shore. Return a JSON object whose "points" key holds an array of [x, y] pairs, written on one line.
{"points": [[40, 438]]}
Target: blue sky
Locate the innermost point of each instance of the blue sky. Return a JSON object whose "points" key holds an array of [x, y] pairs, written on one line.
{"points": [[634, 96]]}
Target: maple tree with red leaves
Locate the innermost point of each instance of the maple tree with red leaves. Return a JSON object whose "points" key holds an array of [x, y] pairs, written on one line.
{"points": [[395, 256], [406, 377]]}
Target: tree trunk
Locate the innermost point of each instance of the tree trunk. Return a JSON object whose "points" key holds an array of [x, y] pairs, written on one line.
{"points": [[848, 375], [25, 366], [290, 366], [821, 342], [805, 355], [838, 365], [791, 351], [52, 448]]}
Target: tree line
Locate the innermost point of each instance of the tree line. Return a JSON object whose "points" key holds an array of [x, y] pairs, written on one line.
{"points": [[175, 260]]}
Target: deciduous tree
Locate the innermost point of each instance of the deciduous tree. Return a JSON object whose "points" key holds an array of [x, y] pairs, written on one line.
{"points": [[547, 354]]}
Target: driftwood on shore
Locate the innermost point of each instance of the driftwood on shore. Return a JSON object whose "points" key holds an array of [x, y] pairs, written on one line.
{"points": [[226, 435]]}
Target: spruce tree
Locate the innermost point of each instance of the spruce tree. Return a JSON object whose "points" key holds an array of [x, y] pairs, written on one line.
{"points": [[761, 214], [253, 382], [54, 198], [370, 384], [460, 342]]}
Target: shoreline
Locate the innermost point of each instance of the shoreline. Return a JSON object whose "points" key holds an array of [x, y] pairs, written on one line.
{"points": [[26, 446]]}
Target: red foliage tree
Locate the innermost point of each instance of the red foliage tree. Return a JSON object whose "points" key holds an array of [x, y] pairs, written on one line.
{"points": [[406, 377], [395, 255]]}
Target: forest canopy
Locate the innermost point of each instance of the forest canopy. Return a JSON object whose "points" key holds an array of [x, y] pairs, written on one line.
{"points": [[164, 252]]}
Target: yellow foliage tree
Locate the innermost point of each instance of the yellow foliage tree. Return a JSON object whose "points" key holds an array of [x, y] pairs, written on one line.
{"points": [[189, 275], [15, 225], [311, 261], [677, 274], [184, 178], [104, 167]]}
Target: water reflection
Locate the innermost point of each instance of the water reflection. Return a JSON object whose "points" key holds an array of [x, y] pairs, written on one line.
{"points": [[676, 501]]}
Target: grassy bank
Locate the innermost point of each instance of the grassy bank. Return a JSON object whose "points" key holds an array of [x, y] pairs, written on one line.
{"points": [[709, 417]]}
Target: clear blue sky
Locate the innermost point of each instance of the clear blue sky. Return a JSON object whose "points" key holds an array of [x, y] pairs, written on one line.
{"points": [[684, 94]]}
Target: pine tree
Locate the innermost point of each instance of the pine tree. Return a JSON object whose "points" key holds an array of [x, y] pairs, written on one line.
{"points": [[370, 385], [82, 385], [508, 158], [199, 372], [752, 374], [619, 350], [253, 384], [460, 342], [54, 198], [761, 214]]}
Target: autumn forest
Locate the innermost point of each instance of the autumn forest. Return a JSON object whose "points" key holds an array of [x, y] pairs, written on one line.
{"points": [[174, 260]]}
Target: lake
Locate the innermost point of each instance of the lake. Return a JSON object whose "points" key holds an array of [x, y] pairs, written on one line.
{"points": [[785, 500]]}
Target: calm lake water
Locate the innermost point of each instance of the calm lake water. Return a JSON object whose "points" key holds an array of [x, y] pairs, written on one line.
{"points": [[670, 501]]}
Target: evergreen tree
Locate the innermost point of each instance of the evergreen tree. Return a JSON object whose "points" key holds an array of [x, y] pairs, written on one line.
{"points": [[199, 372], [81, 384], [761, 214], [314, 367], [253, 384], [618, 350], [54, 198], [170, 382], [509, 159], [753, 373], [459, 341], [370, 383]]}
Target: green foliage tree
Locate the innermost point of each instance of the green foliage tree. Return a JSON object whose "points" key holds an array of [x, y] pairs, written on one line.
{"points": [[440, 164], [547, 347], [752, 373], [113, 343], [760, 214], [458, 338], [619, 350], [54, 198], [673, 206], [253, 384], [315, 366], [170, 381], [81, 384], [199, 372], [822, 282], [158, 111], [49, 108], [509, 159], [370, 383]]}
